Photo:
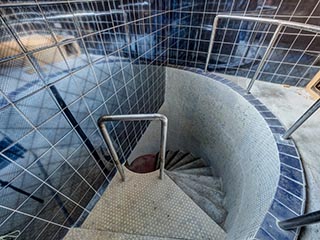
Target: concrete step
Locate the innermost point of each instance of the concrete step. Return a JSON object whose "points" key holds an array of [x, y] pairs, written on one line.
{"points": [[204, 171], [214, 195], [209, 181], [86, 234], [169, 156], [187, 159], [215, 211], [195, 164], [176, 159]]}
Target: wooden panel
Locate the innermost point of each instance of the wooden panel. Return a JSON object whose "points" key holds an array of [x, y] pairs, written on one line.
{"points": [[313, 88]]}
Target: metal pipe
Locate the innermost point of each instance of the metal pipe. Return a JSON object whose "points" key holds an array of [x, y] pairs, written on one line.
{"points": [[135, 117], [265, 57], [291, 24], [302, 119], [112, 150], [306, 219], [279, 23], [213, 34], [163, 144]]}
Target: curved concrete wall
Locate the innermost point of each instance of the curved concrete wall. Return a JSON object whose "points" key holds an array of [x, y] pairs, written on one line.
{"points": [[214, 122]]}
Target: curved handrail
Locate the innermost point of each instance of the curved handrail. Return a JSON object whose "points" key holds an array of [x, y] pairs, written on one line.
{"points": [[280, 24], [135, 117], [300, 221]]}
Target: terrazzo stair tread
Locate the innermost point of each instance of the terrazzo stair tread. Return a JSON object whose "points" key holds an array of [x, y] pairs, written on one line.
{"points": [[209, 181], [214, 195], [176, 159], [145, 205], [187, 159], [216, 212], [194, 164], [90, 234], [204, 171], [170, 155]]}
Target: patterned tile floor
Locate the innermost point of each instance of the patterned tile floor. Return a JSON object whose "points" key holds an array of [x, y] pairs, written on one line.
{"points": [[146, 206], [85, 234]]}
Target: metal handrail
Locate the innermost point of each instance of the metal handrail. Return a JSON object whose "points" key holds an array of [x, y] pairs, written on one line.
{"points": [[280, 24], [302, 119], [309, 218], [303, 220], [135, 117]]}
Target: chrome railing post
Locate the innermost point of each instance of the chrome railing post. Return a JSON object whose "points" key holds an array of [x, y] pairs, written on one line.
{"points": [[265, 57], [163, 144], [112, 151], [302, 119], [213, 34], [135, 117]]}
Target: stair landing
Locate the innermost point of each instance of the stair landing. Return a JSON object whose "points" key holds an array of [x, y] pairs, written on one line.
{"points": [[87, 234], [144, 205]]}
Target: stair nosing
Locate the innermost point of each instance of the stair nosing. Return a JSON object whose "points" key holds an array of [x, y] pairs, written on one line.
{"points": [[178, 159], [193, 159], [179, 168]]}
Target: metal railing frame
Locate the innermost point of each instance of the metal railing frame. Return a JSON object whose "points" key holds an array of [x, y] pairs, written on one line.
{"points": [[134, 117], [300, 221], [280, 24]]}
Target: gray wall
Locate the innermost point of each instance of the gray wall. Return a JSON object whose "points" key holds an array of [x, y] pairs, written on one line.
{"points": [[210, 120]]}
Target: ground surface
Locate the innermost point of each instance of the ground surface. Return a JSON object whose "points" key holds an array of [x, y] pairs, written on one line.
{"points": [[288, 104], [146, 206]]}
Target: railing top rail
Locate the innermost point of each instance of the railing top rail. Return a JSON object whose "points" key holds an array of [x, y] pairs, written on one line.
{"points": [[280, 24], [134, 117], [296, 25]]}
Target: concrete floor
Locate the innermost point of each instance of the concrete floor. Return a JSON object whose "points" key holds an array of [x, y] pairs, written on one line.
{"points": [[288, 104], [145, 207]]}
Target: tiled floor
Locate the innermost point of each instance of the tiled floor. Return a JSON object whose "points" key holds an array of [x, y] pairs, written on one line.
{"points": [[288, 104], [144, 205]]}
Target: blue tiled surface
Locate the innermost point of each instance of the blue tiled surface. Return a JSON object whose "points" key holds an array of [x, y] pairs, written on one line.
{"points": [[290, 150], [289, 200], [280, 211], [113, 75], [262, 234], [290, 161], [267, 115], [292, 187], [279, 130], [234, 50], [270, 226], [53, 161], [291, 173]]}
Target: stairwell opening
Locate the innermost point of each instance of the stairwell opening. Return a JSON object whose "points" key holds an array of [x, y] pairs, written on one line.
{"points": [[212, 121], [143, 164]]}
